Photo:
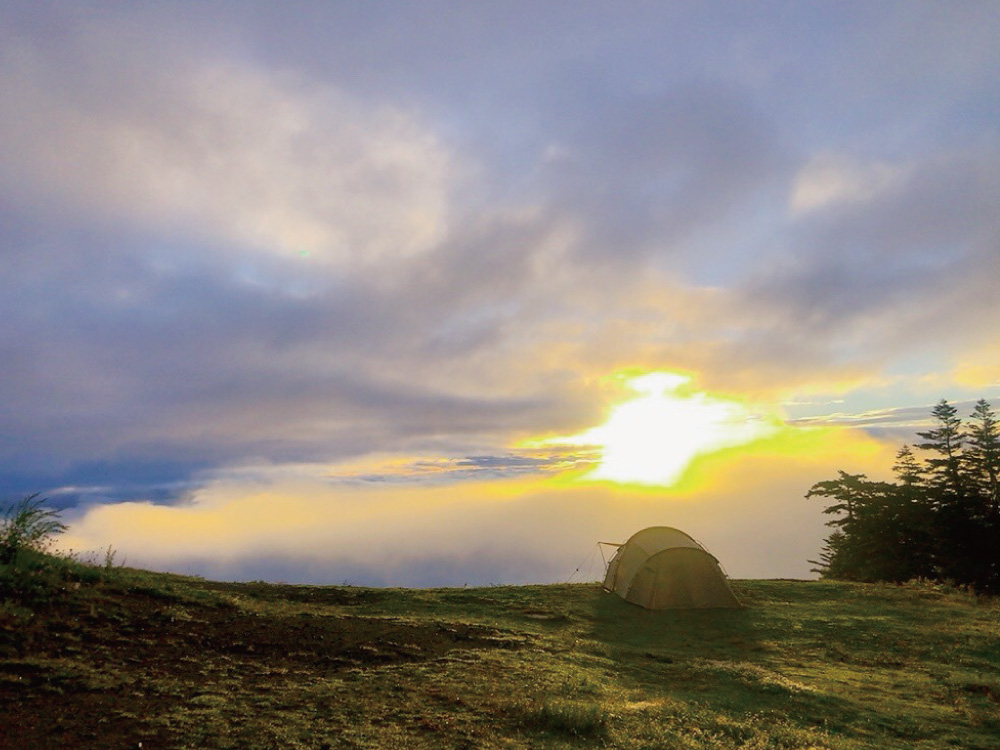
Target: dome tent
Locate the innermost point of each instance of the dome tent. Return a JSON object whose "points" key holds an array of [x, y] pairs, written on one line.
{"points": [[663, 568]]}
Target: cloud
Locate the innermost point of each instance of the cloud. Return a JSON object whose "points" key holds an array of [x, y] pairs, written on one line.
{"points": [[828, 180], [748, 508], [863, 283], [221, 150], [652, 174], [328, 237], [907, 416], [980, 369]]}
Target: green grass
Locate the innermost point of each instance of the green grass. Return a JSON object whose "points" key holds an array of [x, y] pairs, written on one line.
{"points": [[130, 656]]}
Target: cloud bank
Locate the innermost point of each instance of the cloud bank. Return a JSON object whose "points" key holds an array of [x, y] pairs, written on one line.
{"points": [[255, 522]]}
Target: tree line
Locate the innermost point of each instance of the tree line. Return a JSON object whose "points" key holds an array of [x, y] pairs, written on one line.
{"points": [[939, 520]]}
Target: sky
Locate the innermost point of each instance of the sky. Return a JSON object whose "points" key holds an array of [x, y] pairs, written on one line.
{"points": [[444, 293]]}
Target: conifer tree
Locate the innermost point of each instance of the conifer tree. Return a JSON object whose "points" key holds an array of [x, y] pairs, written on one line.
{"points": [[945, 469], [939, 520], [956, 531], [867, 543], [983, 457], [914, 516], [983, 465], [907, 469]]}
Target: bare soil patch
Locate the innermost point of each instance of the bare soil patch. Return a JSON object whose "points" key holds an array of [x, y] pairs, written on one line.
{"points": [[88, 674]]}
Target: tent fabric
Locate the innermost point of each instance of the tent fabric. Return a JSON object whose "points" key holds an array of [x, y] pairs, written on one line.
{"points": [[664, 568]]}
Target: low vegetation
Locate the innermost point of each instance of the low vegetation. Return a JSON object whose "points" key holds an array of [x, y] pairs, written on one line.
{"points": [[98, 656], [27, 527]]}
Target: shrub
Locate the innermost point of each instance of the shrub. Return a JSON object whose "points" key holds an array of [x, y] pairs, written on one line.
{"points": [[577, 719], [26, 525]]}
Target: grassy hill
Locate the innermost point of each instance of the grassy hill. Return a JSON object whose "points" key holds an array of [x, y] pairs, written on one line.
{"points": [[118, 658]]}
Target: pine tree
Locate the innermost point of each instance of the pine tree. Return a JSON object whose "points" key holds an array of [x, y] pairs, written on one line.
{"points": [[914, 516], [907, 469], [832, 558], [945, 469], [870, 535], [939, 520], [959, 537], [983, 457], [983, 465]]}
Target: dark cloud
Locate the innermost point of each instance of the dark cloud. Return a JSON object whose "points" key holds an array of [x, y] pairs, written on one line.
{"points": [[650, 174], [194, 362], [475, 468]]}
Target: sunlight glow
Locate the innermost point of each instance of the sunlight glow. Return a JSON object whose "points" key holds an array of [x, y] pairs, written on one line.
{"points": [[653, 438]]}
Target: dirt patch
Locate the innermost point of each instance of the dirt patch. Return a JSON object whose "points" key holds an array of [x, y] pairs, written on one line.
{"points": [[324, 595], [90, 675], [988, 691]]}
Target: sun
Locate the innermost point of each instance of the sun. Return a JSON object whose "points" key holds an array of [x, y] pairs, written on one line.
{"points": [[652, 438]]}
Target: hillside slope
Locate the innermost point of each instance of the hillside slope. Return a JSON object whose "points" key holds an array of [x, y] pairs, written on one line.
{"points": [[133, 659]]}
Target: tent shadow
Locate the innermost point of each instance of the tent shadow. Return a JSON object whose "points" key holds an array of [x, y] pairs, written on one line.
{"points": [[704, 633], [724, 656]]}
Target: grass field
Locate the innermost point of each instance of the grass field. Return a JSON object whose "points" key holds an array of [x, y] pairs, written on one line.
{"points": [[128, 659]]}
